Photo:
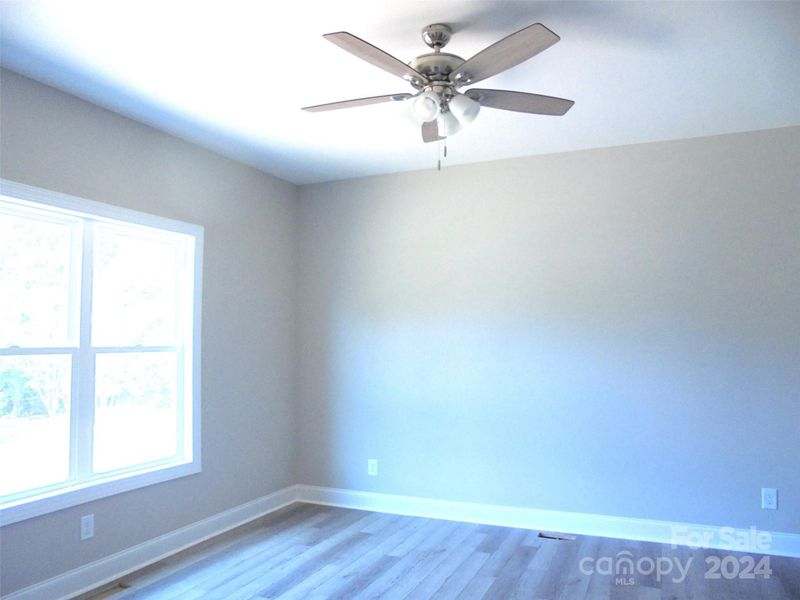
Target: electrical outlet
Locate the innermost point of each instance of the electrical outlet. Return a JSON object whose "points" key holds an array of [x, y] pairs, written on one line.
{"points": [[372, 467], [769, 498], [87, 527]]}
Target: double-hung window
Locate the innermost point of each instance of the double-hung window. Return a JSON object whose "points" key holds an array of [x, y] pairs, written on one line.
{"points": [[99, 350]]}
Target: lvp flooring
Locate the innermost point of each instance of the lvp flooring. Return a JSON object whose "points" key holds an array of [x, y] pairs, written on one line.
{"points": [[307, 551]]}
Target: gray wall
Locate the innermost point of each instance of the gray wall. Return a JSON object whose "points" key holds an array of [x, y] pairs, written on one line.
{"points": [[58, 142], [611, 331]]}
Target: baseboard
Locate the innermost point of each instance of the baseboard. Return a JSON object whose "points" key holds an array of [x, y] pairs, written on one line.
{"points": [[111, 568], [781, 544]]}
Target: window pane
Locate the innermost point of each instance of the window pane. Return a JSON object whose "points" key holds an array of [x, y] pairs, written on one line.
{"points": [[34, 421], [136, 409], [35, 257], [135, 288]]}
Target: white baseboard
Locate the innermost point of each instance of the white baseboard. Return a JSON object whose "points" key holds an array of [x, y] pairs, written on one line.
{"points": [[781, 544], [111, 568]]}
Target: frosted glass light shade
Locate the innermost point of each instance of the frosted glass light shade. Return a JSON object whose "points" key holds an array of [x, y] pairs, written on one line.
{"points": [[448, 124], [464, 108], [426, 106]]}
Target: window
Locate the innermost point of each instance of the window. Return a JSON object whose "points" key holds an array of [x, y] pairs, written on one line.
{"points": [[99, 350]]}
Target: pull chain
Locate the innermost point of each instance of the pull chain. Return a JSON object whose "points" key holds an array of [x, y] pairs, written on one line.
{"points": [[442, 153]]}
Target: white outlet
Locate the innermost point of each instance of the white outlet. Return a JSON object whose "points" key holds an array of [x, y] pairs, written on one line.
{"points": [[769, 498], [87, 527], [372, 467]]}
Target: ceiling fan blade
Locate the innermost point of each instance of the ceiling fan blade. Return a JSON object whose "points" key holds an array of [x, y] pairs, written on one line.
{"points": [[430, 132], [508, 52], [521, 101], [373, 55], [356, 102]]}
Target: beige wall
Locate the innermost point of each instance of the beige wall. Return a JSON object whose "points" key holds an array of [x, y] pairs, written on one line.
{"points": [[56, 141]]}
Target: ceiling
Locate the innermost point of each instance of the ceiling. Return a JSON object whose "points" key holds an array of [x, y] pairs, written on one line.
{"points": [[233, 75]]}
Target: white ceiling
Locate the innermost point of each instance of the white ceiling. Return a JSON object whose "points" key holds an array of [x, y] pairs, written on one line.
{"points": [[233, 75]]}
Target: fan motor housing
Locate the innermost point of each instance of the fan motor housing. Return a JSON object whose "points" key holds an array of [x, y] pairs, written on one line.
{"points": [[436, 66]]}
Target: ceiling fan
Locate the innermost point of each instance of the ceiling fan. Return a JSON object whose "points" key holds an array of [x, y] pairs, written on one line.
{"points": [[436, 77]]}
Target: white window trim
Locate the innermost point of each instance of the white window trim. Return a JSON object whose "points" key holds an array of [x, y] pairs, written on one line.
{"points": [[59, 499]]}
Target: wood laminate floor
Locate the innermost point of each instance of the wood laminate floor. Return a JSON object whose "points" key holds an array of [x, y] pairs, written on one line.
{"points": [[314, 552]]}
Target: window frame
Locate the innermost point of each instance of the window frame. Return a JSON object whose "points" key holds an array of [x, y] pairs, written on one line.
{"points": [[115, 482]]}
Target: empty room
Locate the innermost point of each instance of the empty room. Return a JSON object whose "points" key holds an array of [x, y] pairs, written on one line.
{"points": [[443, 299]]}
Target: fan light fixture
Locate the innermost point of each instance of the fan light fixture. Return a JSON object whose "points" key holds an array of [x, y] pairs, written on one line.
{"points": [[464, 108], [448, 124], [426, 106], [459, 110]]}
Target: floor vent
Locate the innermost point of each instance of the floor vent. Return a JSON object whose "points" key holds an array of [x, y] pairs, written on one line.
{"points": [[547, 535], [109, 593]]}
